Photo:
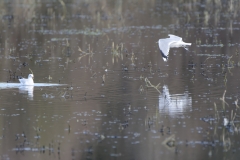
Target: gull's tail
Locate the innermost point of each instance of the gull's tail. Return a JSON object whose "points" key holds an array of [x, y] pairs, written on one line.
{"points": [[187, 44], [21, 81]]}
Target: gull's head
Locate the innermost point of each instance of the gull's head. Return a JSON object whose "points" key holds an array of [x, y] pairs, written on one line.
{"points": [[30, 76]]}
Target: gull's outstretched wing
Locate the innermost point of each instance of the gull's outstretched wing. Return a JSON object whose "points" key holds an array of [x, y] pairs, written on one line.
{"points": [[175, 38], [164, 46], [171, 42]]}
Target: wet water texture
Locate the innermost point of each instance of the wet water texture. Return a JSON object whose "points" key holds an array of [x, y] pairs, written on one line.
{"points": [[102, 89]]}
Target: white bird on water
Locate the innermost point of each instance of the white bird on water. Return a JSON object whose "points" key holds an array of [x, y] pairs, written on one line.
{"points": [[171, 42], [28, 81]]}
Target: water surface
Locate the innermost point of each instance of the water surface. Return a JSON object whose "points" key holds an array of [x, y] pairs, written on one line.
{"points": [[121, 100]]}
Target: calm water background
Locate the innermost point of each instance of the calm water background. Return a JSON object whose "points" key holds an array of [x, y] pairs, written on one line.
{"points": [[106, 51]]}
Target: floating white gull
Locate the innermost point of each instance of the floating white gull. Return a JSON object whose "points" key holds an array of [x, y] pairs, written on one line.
{"points": [[27, 88], [171, 42], [28, 81], [4, 85]]}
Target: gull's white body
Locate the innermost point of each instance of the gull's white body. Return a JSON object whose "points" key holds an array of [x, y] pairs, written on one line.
{"points": [[171, 42], [28, 81]]}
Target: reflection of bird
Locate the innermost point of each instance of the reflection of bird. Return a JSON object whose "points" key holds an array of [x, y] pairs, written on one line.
{"points": [[28, 81], [27, 89], [173, 103], [167, 43]]}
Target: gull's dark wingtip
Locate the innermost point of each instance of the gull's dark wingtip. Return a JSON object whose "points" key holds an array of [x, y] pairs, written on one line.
{"points": [[163, 56]]}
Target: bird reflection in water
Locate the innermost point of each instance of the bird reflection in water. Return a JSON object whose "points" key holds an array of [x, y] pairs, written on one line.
{"points": [[28, 90], [174, 103]]}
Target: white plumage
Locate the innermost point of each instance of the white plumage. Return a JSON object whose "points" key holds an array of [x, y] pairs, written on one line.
{"points": [[171, 42], [28, 81]]}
